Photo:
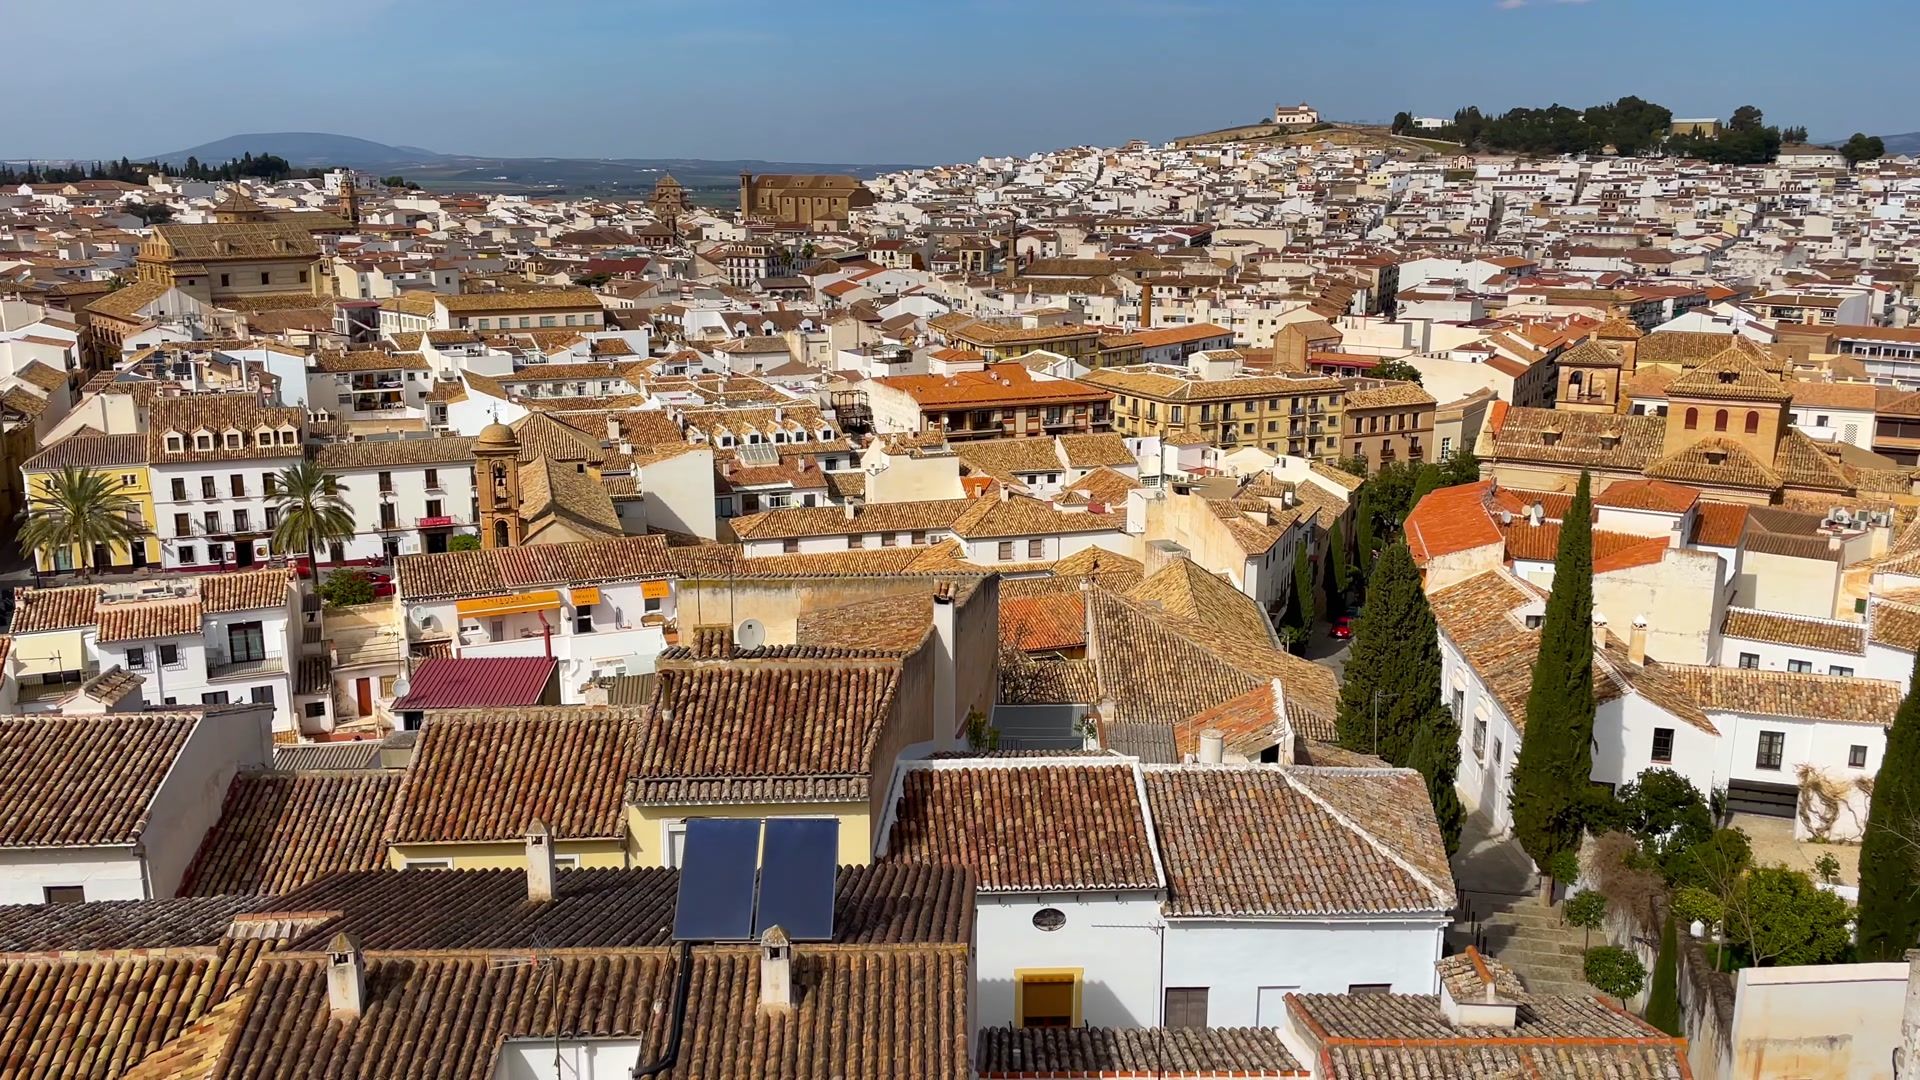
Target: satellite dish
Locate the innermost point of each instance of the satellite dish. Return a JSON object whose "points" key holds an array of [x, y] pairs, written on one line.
{"points": [[402, 686], [750, 634], [418, 614]]}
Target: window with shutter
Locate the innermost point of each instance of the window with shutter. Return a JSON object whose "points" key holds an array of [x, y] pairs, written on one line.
{"points": [[1186, 1007]]}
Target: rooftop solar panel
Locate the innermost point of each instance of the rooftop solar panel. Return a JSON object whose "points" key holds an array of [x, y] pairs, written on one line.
{"points": [[796, 882], [715, 901]]}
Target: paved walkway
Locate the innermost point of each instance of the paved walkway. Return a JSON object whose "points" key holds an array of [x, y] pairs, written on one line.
{"points": [[1500, 911], [1774, 845]]}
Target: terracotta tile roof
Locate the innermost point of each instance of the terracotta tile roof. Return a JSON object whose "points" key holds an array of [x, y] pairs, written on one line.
{"points": [[85, 781], [1089, 451], [1734, 374], [874, 1013], [119, 924], [1830, 635], [1450, 520], [1393, 1036], [1789, 693], [37, 610], [990, 517], [1803, 463], [1006, 458], [1161, 668], [1165, 383], [804, 521], [1717, 462], [998, 384], [519, 300], [279, 831], [1185, 590], [1720, 524], [750, 724], [725, 560], [1579, 440], [1102, 486], [1012, 1053], [142, 622], [391, 453], [1047, 622], [1262, 840], [1052, 682], [1648, 495], [1393, 395], [90, 452], [1894, 620], [485, 776], [593, 909], [358, 754], [219, 414], [894, 625], [103, 1013], [996, 818], [245, 590], [503, 570]]}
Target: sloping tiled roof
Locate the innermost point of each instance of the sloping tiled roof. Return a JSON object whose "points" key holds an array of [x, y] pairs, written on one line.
{"points": [[72, 781], [119, 924], [504, 570], [1790, 693], [487, 775], [1184, 589], [477, 682], [1578, 439], [142, 622], [1827, 634], [1262, 840], [36, 610], [100, 1014], [1043, 623], [279, 831], [1001, 820], [245, 590], [90, 452], [1012, 1053], [722, 732]]}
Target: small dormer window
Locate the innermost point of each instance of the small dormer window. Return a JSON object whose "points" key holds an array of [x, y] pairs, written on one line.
{"points": [[753, 438], [234, 440], [263, 437], [287, 435], [726, 441], [826, 434], [203, 440], [1727, 376], [798, 436], [175, 442]]}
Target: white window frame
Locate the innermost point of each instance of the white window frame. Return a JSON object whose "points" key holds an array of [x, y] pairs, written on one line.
{"points": [[428, 864]]}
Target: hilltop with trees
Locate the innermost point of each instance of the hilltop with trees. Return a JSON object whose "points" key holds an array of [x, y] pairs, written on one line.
{"points": [[1630, 126], [247, 166]]}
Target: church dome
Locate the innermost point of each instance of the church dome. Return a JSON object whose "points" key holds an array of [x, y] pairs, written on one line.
{"points": [[496, 436]]}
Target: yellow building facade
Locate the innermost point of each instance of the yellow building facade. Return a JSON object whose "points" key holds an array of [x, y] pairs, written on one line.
{"points": [[123, 460]]}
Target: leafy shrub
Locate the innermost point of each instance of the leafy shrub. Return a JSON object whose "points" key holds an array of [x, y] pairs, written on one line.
{"points": [[1693, 904], [1588, 910], [464, 542], [343, 588], [1564, 866], [1614, 971]]}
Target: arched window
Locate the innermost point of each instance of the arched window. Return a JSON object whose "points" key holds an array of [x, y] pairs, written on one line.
{"points": [[1753, 423], [1574, 379], [1720, 420], [1693, 419], [501, 534]]}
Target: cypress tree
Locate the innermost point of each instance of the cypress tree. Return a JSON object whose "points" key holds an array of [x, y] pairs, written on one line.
{"points": [[1363, 529], [1339, 566], [1889, 918], [1663, 1000], [1552, 778], [1303, 605], [1393, 675]]}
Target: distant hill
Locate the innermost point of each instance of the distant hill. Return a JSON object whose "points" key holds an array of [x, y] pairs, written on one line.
{"points": [[1901, 144], [307, 149]]}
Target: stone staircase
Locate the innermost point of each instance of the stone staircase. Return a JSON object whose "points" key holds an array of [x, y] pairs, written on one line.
{"points": [[1527, 936]]}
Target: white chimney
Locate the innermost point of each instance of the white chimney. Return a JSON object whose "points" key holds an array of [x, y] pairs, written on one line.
{"points": [[1536, 514], [1213, 747], [613, 429], [539, 863], [346, 978], [1599, 631], [1637, 640], [849, 508], [776, 969], [1907, 1058], [949, 726]]}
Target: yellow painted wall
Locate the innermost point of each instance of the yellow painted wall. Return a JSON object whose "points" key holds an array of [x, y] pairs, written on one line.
{"points": [[510, 854], [644, 826], [37, 654], [140, 491]]}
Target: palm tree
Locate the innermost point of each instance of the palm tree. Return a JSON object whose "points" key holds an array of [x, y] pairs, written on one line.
{"points": [[312, 513], [80, 508]]}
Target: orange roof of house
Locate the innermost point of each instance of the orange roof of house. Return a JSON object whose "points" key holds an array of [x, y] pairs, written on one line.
{"points": [[1449, 520], [1649, 495], [997, 384]]}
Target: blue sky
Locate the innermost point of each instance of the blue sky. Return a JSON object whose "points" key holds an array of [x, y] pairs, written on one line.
{"points": [[910, 80]]}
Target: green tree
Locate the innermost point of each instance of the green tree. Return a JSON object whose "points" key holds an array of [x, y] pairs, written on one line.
{"points": [[1665, 813], [1778, 917], [1614, 971], [1587, 910], [1863, 148], [1663, 1002], [1746, 118], [1396, 371], [464, 542], [344, 588], [1552, 776], [1462, 468], [1390, 701], [312, 513], [394, 182], [1302, 603], [1890, 847], [75, 510], [1428, 478], [1402, 123], [1363, 529], [1340, 562]]}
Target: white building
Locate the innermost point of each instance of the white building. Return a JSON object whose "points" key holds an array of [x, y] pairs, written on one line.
{"points": [[407, 495], [1130, 895], [213, 459], [113, 806], [600, 607]]}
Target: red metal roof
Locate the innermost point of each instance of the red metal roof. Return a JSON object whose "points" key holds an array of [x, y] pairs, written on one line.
{"points": [[477, 682]]}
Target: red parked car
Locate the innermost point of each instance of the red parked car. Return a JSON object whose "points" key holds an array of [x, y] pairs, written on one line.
{"points": [[1343, 627]]}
